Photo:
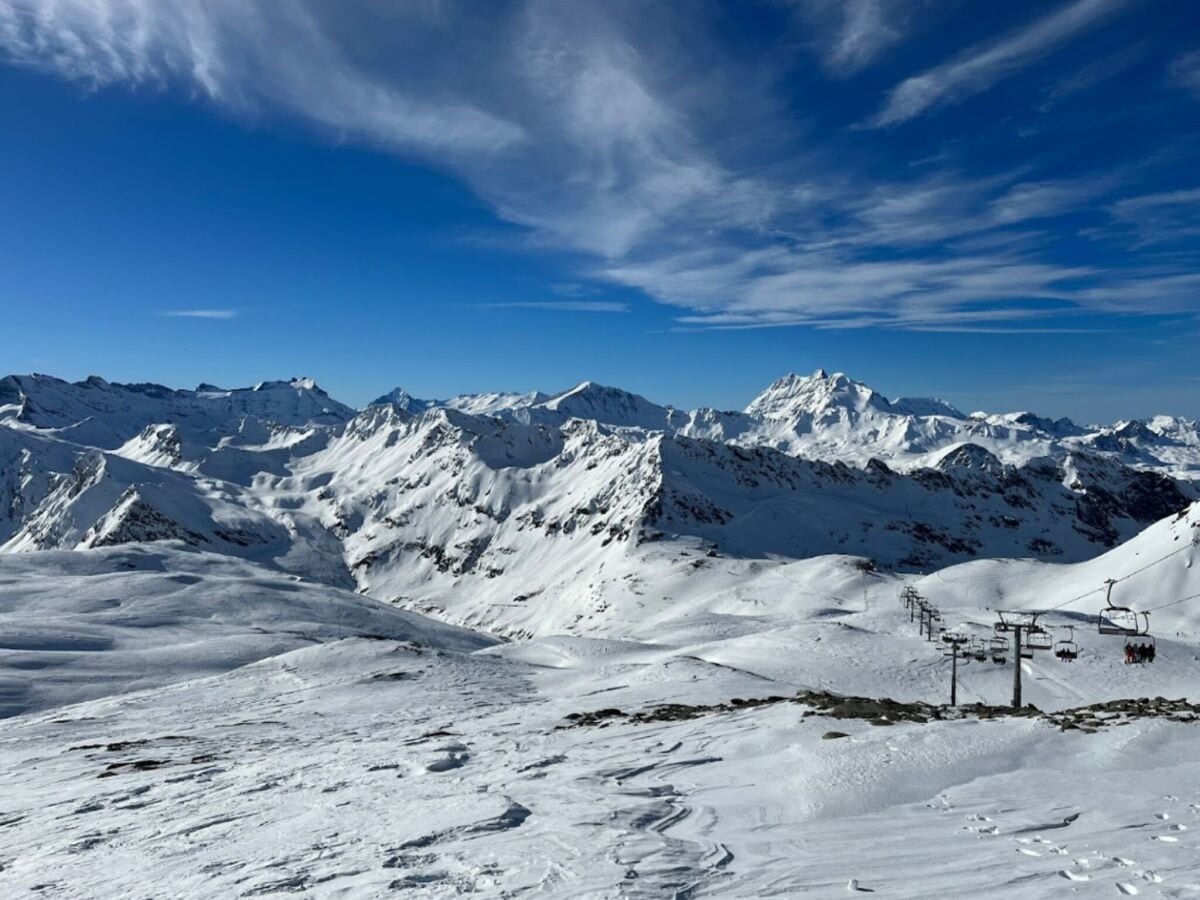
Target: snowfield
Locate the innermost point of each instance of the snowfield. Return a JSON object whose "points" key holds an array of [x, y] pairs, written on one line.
{"points": [[255, 643]]}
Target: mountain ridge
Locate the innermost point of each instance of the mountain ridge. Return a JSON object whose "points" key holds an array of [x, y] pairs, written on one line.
{"points": [[544, 508]]}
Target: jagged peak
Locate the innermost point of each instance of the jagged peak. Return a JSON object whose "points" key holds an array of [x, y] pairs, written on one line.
{"points": [[402, 400], [794, 395]]}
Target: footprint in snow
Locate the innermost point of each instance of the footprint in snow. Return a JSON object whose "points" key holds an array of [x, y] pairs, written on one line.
{"points": [[1123, 862], [1073, 876], [1126, 888], [1028, 852], [853, 885], [1164, 816], [1150, 876], [983, 829], [1165, 838]]}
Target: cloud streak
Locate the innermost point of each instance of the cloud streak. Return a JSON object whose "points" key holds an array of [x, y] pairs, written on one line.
{"points": [[979, 67], [593, 306], [245, 56], [852, 34], [200, 313], [666, 166]]}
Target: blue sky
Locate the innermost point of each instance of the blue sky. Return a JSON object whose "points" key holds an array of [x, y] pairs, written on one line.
{"points": [[994, 203]]}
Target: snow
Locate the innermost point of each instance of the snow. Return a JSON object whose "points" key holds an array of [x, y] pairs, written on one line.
{"points": [[252, 642], [83, 624], [350, 767]]}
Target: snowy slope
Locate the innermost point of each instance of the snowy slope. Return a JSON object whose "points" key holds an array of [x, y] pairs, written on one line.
{"points": [[367, 767], [56, 495], [89, 623], [212, 718], [524, 525]]}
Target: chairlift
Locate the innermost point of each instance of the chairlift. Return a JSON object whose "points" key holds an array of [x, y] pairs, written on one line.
{"points": [[1121, 620], [978, 651], [1066, 649], [999, 650], [1038, 638]]}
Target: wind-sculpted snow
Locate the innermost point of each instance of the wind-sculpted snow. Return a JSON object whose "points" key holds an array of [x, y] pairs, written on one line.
{"points": [[85, 624], [249, 735]]}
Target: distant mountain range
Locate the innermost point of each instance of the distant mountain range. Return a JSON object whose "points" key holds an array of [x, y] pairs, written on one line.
{"points": [[540, 503]]}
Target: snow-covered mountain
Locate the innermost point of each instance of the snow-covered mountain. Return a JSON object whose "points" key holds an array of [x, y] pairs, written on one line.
{"points": [[543, 502], [833, 418], [443, 506], [99, 414], [188, 688]]}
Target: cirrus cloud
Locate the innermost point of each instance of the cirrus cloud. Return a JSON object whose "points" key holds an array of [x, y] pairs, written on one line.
{"points": [[670, 165]]}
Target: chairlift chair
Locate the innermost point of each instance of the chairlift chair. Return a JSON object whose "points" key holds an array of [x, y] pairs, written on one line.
{"points": [[1066, 649], [1121, 620], [1037, 638], [999, 650]]}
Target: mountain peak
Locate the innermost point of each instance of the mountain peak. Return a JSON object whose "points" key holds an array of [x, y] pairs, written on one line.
{"points": [[610, 405], [794, 395], [401, 400]]}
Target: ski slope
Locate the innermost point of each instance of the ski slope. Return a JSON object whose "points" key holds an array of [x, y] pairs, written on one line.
{"points": [[428, 760], [255, 643]]}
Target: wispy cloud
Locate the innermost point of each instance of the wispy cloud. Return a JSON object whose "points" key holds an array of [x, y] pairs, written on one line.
{"points": [[853, 33], [979, 67], [1160, 218], [665, 166], [1185, 71], [200, 313], [1094, 73], [595, 306], [243, 56]]}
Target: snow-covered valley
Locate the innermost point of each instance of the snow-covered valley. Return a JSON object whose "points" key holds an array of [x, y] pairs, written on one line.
{"points": [[255, 642]]}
